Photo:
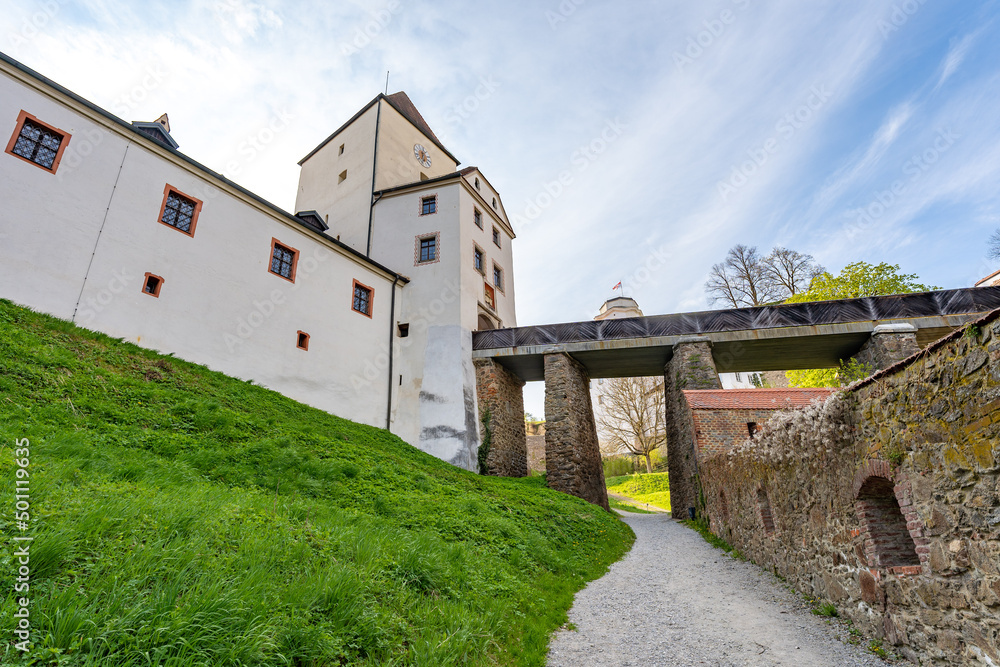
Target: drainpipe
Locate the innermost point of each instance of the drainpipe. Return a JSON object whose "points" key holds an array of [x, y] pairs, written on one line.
{"points": [[371, 209], [392, 333]]}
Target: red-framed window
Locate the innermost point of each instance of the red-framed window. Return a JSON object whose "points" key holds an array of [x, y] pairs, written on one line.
{"points": [[151, 284], [37, 142], [179, 210], [362, 299], [284, 259]]}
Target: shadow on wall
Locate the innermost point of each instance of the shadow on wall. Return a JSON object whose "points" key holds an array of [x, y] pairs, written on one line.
{"points": [[885, 499]]}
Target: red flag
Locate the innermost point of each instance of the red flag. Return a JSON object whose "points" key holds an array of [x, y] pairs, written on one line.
{"points": [[618, 286]]}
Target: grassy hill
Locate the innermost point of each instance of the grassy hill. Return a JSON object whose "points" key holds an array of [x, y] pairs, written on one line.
{"points": [[652, 488], [182, 517]]}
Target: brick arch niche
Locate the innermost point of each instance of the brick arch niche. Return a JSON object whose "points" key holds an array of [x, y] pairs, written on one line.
{"points": [[889, 523], [764, 505]]}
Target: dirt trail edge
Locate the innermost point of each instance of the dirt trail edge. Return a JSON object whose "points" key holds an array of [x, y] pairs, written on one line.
{"points": [[675, 600]]}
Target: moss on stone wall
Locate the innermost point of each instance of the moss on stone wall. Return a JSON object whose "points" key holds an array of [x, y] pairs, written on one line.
{"points": [[930, 429]]}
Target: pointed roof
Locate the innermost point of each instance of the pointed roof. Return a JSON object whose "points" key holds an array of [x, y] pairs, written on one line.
{"points": [[400, 102]]}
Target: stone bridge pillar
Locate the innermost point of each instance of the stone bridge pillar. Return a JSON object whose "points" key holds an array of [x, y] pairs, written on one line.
{"points": [[889, 344], [691, 367], [572, 455], [500, 392]]}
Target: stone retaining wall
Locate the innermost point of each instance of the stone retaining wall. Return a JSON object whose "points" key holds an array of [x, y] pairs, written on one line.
{"points": [[885, 500], [501, 393], [572, 455]]}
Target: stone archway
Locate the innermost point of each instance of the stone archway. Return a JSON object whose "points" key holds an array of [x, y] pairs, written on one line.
{"points": [[485, 323]]}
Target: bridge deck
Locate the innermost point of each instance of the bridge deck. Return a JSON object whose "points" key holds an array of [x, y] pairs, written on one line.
{"points": [[780, 337]]}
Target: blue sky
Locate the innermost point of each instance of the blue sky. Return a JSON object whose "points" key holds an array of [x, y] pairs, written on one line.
{"points": [[632, 141]]}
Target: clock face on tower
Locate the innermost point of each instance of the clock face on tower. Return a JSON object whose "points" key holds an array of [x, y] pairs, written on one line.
{"points": [[423, 157]]}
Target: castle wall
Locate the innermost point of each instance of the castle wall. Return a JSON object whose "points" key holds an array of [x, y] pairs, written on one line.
{"points": [[885, 500], [91, 231]]}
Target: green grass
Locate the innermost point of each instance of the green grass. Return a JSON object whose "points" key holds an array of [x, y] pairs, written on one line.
{"points": [[652, 488], [627, 507], [181, 517]]}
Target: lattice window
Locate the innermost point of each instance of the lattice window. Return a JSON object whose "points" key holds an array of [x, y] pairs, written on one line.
{"points": [[179, 212], [38, 144], [362, 302], [283, 260]]}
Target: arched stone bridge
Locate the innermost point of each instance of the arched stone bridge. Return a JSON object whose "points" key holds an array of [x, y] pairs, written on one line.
{"points": [[689, 350]]}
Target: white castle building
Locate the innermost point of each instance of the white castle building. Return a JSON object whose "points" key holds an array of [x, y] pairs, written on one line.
{"points": [[362, 303]]}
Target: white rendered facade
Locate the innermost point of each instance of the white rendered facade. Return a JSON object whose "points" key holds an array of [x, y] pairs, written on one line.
{"points": [[81, 240]]}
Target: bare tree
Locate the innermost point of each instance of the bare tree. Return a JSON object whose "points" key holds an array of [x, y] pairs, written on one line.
{"points": [[994, 249], [742, 280], [790, 271], [747, 278], [632, 416]]}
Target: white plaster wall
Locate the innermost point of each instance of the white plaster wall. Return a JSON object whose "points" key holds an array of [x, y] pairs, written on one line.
{"points": [[51, 220], [343, 205], [219, 304], [473, 292], [436, 405], [396, 162]]}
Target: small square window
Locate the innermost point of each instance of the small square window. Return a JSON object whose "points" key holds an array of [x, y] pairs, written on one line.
{"points": [[428, 205], [496, 236], [491, 297], [428, 249], [362, 301], [342, 177], [151, 285], [403, 329], [37, 142], [478, 259], [498, 277], [179, 210], [283, 260], [341, 149], [423, 176], [478, 217], [303, 341]]}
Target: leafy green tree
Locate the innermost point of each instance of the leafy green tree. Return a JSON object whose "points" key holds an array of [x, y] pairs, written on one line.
{"points": [[856, 280], [861, 279]]}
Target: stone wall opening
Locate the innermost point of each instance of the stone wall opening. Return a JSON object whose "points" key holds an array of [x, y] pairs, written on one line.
{"points": [[766, 518], [888, 542]]}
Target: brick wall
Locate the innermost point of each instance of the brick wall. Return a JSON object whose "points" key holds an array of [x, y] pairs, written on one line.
{"points": [[885, 500], [718, 431]]}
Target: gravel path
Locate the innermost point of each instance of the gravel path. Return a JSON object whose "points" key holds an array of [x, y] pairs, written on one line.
{"points": [[675, 600]]}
